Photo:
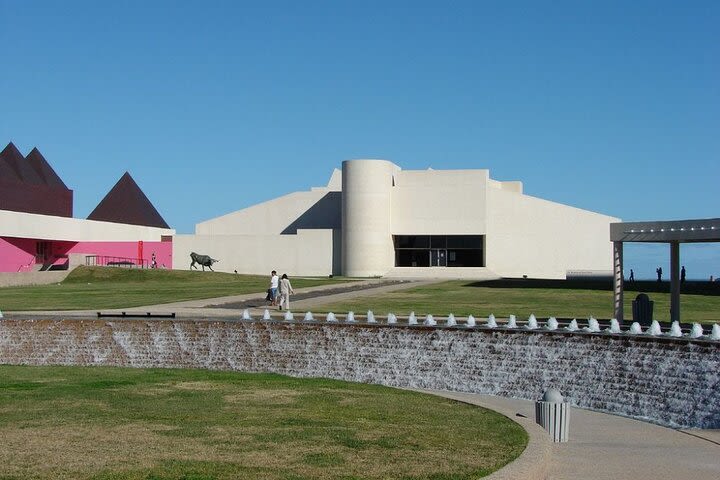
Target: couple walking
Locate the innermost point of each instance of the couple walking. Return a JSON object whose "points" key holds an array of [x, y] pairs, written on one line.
{"points": [[280, 287]]}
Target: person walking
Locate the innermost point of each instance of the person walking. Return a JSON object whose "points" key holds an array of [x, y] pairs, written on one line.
{"points": [[632, 276], [274, 281], [285, 291], [682, 274], [659, 273]]}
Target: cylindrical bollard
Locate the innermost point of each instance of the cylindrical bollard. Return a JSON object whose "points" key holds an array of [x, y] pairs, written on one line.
{"points": [[552, 413]]}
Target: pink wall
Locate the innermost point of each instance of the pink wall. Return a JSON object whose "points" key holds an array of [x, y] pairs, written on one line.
{"points": [[16, 254], [163, 250]]}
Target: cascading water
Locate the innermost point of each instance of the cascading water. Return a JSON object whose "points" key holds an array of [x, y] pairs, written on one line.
{"points": [[289, 316], [593, 325], [429, 320], [350, 318], [470, 321], [330, 317], [532, 322], [635, 329], [308, 317], [654, 328], [512, 322], [552, 323], [451, 322], [696, 331], [412, 320], [391, 319], [675, 329], [371, 317], [572, 326], [491, 323], [651, 381], [715, 333], [266, 314], [246, 315], [614, 326]]}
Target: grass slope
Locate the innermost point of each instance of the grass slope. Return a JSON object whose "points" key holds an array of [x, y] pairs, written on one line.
{"points": [[117, 423], [103, 287]]}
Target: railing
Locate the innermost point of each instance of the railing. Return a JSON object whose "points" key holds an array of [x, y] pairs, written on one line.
{"points": [[110, 261]]}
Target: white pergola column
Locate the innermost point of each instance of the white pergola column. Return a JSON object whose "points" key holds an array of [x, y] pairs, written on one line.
{"points": [[618, 280]]}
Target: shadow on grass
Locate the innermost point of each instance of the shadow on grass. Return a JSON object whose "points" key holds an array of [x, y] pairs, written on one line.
{"points": [[690, 287]]}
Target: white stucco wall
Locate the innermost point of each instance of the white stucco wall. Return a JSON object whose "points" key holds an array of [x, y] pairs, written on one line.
{"points": [[30, 225], [276, 215], [372, 200], [309, 252], [267, 218], [543, 239], [440, 202]]}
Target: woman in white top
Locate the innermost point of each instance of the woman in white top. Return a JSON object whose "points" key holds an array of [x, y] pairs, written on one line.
{"points": [[285, 291]]}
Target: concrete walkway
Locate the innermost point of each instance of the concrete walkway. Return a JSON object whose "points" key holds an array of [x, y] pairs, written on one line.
{"points": [[203, 308], [604, 447]]}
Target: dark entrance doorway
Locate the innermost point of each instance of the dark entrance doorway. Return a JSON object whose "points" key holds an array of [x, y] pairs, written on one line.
{"points": [[438, 257]]}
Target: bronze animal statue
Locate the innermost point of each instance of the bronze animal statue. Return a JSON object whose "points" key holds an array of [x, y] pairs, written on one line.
{"points": [[202, 260]]}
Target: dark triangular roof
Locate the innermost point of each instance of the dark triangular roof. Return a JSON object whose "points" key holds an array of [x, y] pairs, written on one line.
{"points": [[23, 169], [43, 168], [126, 203], [7, 171]]}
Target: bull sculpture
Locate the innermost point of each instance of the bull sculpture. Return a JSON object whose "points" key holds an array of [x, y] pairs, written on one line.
{"points": [[202, 260]]}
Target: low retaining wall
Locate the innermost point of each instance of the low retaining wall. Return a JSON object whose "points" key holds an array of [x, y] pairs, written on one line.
{"points": [[22, 279], [674, 382]]}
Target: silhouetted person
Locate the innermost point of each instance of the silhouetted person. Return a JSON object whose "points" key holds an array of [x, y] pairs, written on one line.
{"points": [[682, 274], [632, 276], [659, 273]]}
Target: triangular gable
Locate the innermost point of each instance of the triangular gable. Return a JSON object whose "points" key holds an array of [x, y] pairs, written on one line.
{"points": [[126, 203], [7, 171], [25, 172], [43, 168]]}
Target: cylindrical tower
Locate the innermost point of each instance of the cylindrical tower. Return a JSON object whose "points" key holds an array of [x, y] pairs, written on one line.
{"points": [[367, 246]]}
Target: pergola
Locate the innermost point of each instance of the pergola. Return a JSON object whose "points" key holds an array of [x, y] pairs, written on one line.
{"points": [[673, 232]]}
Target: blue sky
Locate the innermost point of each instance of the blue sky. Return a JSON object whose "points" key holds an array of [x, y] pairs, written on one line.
{"points": [[214, 106]]}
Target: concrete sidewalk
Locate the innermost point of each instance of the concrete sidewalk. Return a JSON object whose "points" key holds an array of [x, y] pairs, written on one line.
{"points": [[604, 447]]}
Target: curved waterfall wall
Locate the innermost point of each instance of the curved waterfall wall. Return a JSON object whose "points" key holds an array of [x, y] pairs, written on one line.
{"points": [[674, 382]]}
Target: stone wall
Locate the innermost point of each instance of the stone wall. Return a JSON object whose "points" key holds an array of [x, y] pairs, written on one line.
{"points": [[674, 382]]}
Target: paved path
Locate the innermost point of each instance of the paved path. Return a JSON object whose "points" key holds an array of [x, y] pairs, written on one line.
{"points": [[605, 447], [218, 307]]}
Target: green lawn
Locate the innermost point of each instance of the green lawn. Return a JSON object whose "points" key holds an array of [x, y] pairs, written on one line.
{"points": [[521, 298], [117, 423], [97, 288], [103, 287]]}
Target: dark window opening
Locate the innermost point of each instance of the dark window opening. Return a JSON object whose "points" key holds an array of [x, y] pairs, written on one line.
{"points": [[412, 258], [439, 250]]}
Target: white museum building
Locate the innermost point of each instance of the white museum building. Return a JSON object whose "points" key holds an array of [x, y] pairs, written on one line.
{"points": [[375, 219]]}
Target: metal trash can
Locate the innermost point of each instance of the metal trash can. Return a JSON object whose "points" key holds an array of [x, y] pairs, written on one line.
{"points": [[552, 413]]}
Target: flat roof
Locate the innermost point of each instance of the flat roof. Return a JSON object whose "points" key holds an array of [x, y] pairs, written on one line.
{"points": [[684, 231]]}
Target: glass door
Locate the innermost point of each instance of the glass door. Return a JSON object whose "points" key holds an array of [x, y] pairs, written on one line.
{"points": [[438, 257]]}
